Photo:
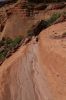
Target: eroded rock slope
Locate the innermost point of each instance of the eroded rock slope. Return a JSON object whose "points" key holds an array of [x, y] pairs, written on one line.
{"points": [[37, 70]]}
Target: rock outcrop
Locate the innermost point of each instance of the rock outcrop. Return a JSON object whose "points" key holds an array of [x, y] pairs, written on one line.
{"points": [[37, 70]]}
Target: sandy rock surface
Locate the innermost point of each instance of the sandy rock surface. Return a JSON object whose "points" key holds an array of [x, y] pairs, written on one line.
{"points": [[37, 70]]}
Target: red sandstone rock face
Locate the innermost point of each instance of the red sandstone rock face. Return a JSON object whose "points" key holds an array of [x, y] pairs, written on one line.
{"points": [[37, 70]]}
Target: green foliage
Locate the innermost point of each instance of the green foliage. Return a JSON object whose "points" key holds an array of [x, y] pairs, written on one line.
{"points": [[53, 18], [16, 41], [8, 41], [8, 45], [1, 56]]}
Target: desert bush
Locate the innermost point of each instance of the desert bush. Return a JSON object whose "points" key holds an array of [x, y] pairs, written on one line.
{"points": [[16, 41], [8, 45], [8, 41], [53, 18], [2, 56]]}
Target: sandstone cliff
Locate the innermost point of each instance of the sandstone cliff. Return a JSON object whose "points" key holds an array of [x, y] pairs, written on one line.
{"points": [[37, 70]]}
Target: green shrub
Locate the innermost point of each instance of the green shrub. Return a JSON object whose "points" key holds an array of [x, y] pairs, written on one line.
{"points": [[8, 44], [16, 41], [53, 18], [8, 41], [2, 56]]}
